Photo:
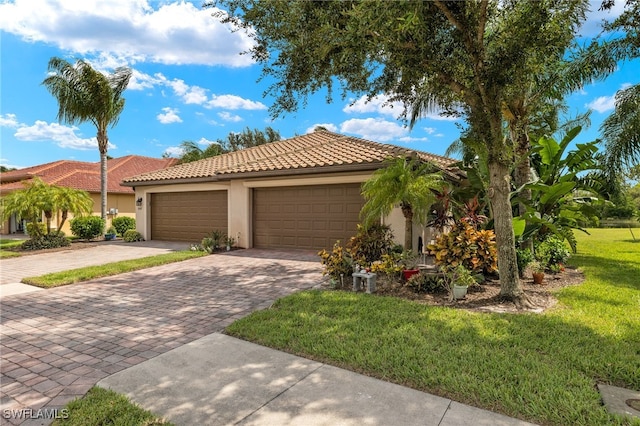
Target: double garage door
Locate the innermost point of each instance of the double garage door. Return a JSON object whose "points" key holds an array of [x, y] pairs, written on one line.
{"points": [[305, 217], [187, 216], [296, 217]]}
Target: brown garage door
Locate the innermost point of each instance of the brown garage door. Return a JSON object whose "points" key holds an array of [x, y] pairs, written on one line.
{"points": [[187, 216], [309, 217]]}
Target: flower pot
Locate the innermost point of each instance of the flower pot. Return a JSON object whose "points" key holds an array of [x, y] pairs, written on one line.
{"points": [[408, 273], [459, 291], [109, 236], [538, 277]]}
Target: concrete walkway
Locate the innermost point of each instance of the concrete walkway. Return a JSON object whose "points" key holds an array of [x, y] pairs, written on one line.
{"points": [[220, 380]]}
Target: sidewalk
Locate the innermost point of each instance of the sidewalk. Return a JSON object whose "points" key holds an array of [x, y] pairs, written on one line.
{"points": [[221, 380]]}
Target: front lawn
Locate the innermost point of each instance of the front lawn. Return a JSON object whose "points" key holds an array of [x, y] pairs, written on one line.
{"points": [[7, 245], [538, 367], [56, 279]]}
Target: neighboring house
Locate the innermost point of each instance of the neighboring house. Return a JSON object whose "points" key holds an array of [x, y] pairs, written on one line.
{"points": [[302, 192], [85, 176]]}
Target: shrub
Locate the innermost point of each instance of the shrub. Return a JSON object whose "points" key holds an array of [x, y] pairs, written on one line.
{"points": [[464, 245], [87, 227], [123, 224], [337, 263], [553, 252], [524, 258], [369, 244], [41, 242], [36, 229], [426, 283], [132, 236]]}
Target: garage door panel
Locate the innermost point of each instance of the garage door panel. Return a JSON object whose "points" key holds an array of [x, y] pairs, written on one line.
{"points": [[187, 216], [322, 215]]}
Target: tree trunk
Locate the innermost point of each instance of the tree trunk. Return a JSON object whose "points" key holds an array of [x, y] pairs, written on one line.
{"points": [[408, 226], [103, 143], [522, 175], [499, 178]]}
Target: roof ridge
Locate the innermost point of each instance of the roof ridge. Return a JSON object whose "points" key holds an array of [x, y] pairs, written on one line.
{"points": [[276, 155]]}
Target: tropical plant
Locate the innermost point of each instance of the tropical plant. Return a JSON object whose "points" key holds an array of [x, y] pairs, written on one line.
{"points": [[464, 245], [87, 227], [462, 58], [553, 251], [525, 257], [131, 236], [39, 199], [86, 95], [338, 263], [370, 243], [566, 189], [407, 182], [425, 282], [123, 224], [48, 241]]}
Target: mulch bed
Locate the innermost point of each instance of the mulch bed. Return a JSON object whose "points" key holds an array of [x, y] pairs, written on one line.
{"points": [[486, 297]]}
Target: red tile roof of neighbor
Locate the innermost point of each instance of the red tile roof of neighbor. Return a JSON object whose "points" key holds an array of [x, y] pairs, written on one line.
{"points": [[317, 152], [85, 176]]}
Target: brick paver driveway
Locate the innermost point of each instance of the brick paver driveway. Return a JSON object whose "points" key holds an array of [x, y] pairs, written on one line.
{"points": [[56, 344]]}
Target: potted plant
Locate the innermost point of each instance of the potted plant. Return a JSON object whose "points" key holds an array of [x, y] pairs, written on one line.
{"points": [[229, 241], [537, 270], [409, 262], [110, 234], [462, 278]]}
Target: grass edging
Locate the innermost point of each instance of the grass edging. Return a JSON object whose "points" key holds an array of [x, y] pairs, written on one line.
{"points": [[105, 407], [72, 276]]}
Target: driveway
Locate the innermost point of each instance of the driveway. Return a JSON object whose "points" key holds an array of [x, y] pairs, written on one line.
{"points": [[58, 343]]}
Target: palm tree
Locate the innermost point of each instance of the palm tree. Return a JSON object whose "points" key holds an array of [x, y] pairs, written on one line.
{"points": [[85, 94], [69, 200], [406, 182]]}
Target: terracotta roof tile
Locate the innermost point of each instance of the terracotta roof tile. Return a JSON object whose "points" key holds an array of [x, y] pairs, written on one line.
{"points": [[83, 175], [314, 152]]}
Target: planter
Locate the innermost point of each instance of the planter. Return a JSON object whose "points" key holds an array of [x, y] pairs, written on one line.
{"points": [[538, 277], [459, 291], [109, 237], [408, 273]]}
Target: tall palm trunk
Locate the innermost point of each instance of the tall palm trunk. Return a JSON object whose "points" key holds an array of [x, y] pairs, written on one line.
{"points": [[103, 142], [407, 212]]}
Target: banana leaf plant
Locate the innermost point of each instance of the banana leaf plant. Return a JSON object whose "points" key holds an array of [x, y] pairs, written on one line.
{"points": [[566, 189]]}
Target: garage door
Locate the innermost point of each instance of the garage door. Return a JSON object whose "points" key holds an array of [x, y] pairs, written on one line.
{"points": [[187, 216], [309, 217]]}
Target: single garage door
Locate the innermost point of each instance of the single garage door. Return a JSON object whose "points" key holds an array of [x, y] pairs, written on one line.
{"points": [[306, 217], [187, 216]]}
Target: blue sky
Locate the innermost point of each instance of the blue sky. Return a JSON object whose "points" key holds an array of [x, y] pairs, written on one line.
{"points": [[189, 83]]}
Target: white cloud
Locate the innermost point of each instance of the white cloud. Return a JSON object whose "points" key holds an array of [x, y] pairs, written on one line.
{"points": [[593, 25], [174, 151], [205, 142], [64, 136], [234, 102], [606, 103], [375, 129], [412, 139], [329, 126], [8, 120], [380, 104], [174, 33], [170, 116], [430, 130], [227, 116]]}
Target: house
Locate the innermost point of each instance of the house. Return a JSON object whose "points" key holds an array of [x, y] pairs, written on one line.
{"points": [[85, 176], [302, 192]]}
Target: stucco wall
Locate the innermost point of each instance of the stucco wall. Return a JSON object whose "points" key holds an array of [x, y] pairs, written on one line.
{"points": [[240, 198]]}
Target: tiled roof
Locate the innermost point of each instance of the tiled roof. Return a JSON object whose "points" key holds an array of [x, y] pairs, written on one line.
{"points": [[85, 176], [320, 151]]}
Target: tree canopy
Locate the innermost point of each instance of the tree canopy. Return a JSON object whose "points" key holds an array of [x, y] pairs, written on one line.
{"points": [[468, 58]]}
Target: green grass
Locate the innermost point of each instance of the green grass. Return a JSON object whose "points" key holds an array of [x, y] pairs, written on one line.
{"points": [[9, 244], [83, 274], [105, 407], [538, 367]]}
